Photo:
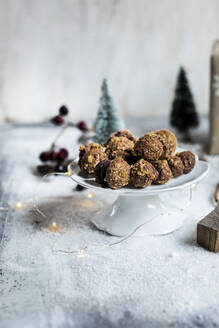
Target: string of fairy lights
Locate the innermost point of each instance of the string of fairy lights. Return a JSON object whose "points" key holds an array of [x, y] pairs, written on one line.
{"points": [[54, 227]]}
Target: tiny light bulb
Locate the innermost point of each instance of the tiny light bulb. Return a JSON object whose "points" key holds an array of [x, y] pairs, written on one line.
{"points": [[91, 195], [18, 205], [81, 254], [164, 214], [68, 173], [53, 227]]}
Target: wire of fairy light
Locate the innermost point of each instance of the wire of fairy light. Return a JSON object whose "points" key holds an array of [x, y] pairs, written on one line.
{"points": [[81, 252]]}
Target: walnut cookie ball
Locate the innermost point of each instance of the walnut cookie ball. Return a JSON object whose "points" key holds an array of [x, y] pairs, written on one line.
{"points": [[164, 172], [170, 137], [188, 159], [149, 147], [90, 146], [142, 174], [119, 147], [176, 165], [117, 173], [123, 133], [90, 159], [166, 147]]}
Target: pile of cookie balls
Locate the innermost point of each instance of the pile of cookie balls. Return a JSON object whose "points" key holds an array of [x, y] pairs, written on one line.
{"points": [[125, 160]]}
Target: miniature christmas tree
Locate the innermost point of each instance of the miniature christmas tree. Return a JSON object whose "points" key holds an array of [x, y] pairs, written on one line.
{"points": [[183, 115], [108, 119]]}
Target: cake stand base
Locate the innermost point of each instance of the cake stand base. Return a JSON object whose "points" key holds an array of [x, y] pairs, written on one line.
{"points": [[140, 215]]}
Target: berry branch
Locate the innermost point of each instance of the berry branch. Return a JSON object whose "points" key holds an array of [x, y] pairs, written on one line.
{"points": [[56, 159]]}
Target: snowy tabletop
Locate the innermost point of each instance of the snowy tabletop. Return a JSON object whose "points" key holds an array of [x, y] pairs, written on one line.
{"points": [[46, 281]]}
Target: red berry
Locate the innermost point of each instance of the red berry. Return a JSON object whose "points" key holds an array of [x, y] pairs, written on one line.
{"points": [[62, 154], [44, 156], [79, 188], [57, 120], [82, 125], [53, 155], [63, 110]]}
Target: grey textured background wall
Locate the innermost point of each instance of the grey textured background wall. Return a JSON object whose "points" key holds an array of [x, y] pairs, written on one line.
{"points": [[58, 51]]}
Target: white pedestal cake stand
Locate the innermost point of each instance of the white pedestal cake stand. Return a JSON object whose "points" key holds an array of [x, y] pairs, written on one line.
{"points": [[155, 210]]}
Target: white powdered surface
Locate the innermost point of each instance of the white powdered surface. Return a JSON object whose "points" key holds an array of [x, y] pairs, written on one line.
{"points": [[146, 281]]}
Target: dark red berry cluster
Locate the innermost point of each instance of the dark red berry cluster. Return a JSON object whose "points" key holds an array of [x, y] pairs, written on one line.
{"points": [[56, 160], [54, 155], [59, 119]]}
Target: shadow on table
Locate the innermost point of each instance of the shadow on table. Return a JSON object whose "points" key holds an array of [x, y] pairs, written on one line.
{"points": [[69, 212], [129, 320], [188, 238], [191, 240]]}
